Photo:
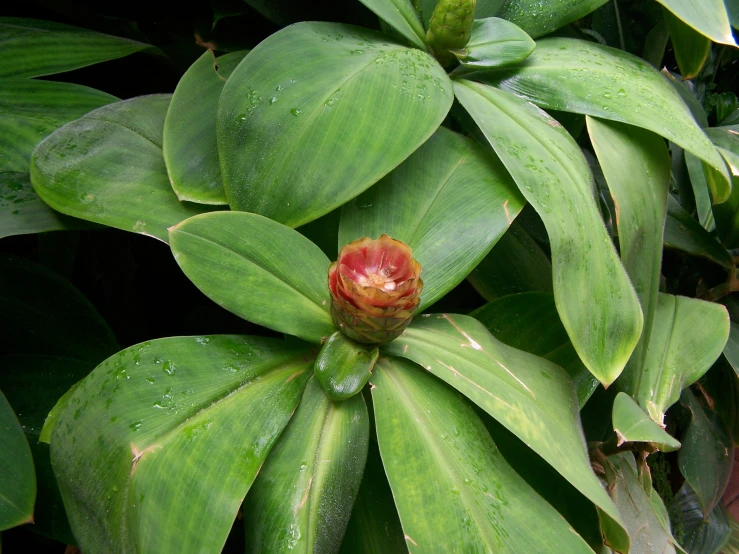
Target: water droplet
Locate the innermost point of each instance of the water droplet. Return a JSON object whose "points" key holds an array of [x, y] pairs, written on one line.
{"points": [[135, 426], [241, 118], [169, 368], [296, 112], [272, 100]]}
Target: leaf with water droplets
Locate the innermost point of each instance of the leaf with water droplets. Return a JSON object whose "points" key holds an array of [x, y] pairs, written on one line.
{"points": [[538, 17]]}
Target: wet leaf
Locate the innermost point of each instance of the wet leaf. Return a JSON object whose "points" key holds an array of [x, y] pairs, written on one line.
{"points": [[495, 42], [540, 18], [402, 17], [343, 366], [632, 424]]}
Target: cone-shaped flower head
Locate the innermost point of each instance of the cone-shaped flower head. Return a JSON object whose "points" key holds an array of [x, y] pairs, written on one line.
{"points": [[375, 287]]}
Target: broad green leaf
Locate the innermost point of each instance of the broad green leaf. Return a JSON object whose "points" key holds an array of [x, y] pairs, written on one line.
{"points": [[302, 104], [704, 535], [343, 366], [687, 337], [684, 233], [450, 202], [731, 350], [700, 184], [17, 478], [655, 44], [647, 531], [302, 499], [374, 527], [583, 77], [553, 175], [258, 269], [707, 455], [22, 212], [530, 396], [539, 18], [529, 322], [32, 48], [632, 424], [107, 167], [708, 17], [727, 219], [402, 17], [727, 141], [636, 165], [169, 430], [454, 490], [687, 92], [189, 140], [495, 42], [691, 48], [31, 109], [515, 264]]}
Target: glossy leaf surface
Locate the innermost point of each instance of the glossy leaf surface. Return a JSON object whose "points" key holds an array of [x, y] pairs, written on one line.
{"points": [[530, 396], [343, 366], [32, 48], [168, 430], [529, 322], [31, 109], [189, 140], [453, 489], [258, 269], [553, 175], [302, 499], [691, 48], [17, 478], [539, 18], [107, 167], [708, 17], [402, 17], [495, 42], [300, 106], [632, 424], [584, 77], [450, 202], [700, 533], [687, 337]]}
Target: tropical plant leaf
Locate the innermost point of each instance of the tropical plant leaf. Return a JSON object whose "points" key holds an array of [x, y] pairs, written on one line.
{"points": [[32, 48], [731, 350], [450, 202], [303, 496], [687, 337], [495, 42], [540, 18], [427, 434], [707, 456], [691, 47], [529, 322], [402, 17], [17, 478], [258, 269], [202, 411], [189, 139], [300, 106], [31, 109], [108, 167], [483, 9], [343, 366], [706, 535], [553, 175], [530, 396], [632, 424], [584, 77], [700, 184], [708, 17]]}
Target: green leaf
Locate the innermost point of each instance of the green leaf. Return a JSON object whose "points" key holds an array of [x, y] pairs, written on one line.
{"points": [[707, 456], [647, 531], [108, 167], [731, 350], [402, 17], [32, 48], [169, 430], [22, 212], [691, 48], [495, 42], [540, 18], [704, 535], [454, 490], [687, 337], [296, 111], [17, 478], [583, 77], [303, 496], [727, 140], [515, 264], [483, 9], [700, 184], [684, 233], [553, 175], [258, 269], [529, 322], [189, 140], [636, 165], [450, 202], [343, 366], [530, 396], [30, 110], [708, 17], [632, 424]]}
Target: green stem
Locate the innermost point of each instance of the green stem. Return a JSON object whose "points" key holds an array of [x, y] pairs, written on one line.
{"points": [[618, 24]]}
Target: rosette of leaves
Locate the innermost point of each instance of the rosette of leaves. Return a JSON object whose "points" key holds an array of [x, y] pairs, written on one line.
{"points": [[323, 117]]}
